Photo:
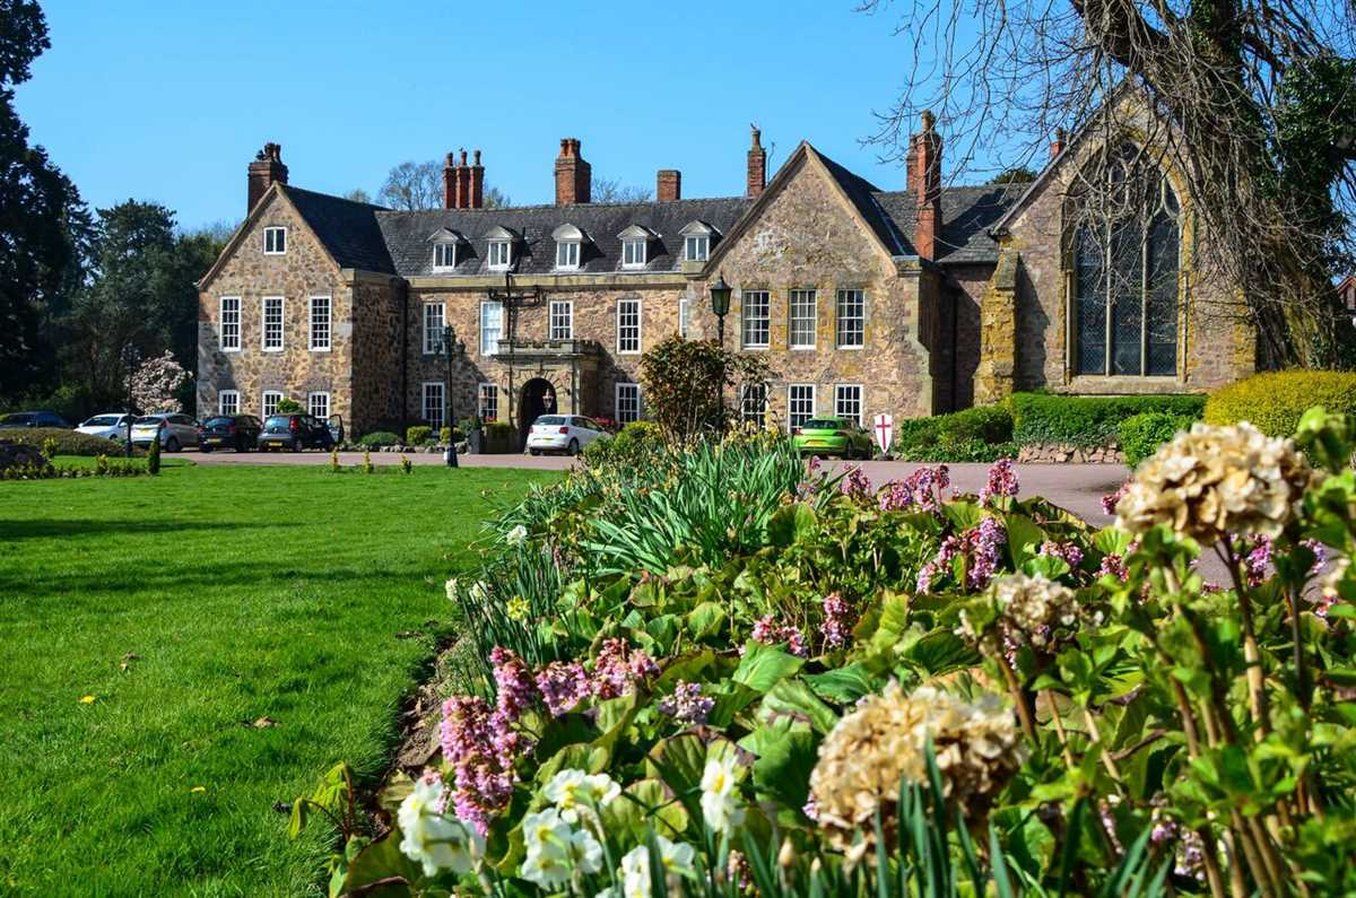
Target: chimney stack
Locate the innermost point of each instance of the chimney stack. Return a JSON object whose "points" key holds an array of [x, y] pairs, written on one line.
{"points": [[463, 181], [574, 176], [925, 182], [669, 185], [757, 173], [476, 199], [1057, 145], [450, 182], [266, 168]]}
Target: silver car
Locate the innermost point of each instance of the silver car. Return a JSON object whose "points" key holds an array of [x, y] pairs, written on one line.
{"points": [[174, 430], [110, 426]]}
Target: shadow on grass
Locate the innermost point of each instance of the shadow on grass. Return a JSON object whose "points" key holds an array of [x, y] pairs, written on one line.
{"points": [[76, 527]]}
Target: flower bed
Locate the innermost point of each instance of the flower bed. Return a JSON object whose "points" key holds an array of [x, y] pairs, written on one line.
{"points": [[713, 673]]}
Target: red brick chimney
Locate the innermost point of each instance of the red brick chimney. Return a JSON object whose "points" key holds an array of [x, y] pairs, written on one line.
{"points": [[450, 182], [925, 182], [476, 199], [669, 185], [574, 176], [757, 173], [463, 182], [266, 168], [1057, 145]]}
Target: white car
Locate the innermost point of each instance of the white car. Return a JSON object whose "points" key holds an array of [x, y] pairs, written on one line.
{"points": [[110, 426], [563, 433], [174, 430]]}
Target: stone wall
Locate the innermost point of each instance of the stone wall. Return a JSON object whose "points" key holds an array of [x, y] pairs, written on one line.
{"points": [[305, 270]]}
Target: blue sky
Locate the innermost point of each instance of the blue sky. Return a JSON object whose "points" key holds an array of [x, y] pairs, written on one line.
{"points": [[168, 101]]}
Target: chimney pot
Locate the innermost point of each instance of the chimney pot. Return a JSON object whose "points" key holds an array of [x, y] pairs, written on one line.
{"points": [[476, 197], [574, 176], [669, 185], [925, 182], [1057, 145], [450, 182], [756, 177], [266, 168]]}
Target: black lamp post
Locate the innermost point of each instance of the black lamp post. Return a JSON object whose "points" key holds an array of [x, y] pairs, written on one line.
{"points": [[450, 346], [720, 304], [130, 357]]}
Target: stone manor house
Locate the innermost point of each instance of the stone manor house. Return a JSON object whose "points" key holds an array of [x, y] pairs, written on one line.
{"points": [[911, 301]]}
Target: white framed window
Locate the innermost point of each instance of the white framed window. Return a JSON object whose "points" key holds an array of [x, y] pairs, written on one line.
{"points": [[487, 404], [269, 404], [628, 403], [444, 256], [272, 315], [851, 319], [318, 405], [501, 255], [684, 316], [754, 309], [634, 252], [628, 326], [230, 324], [800, 404], [561, 320], [696, 247], [491, 326], [804, 311], [275, 241], [753, 404], [433, 403], [435, 317], [228, 402], [320, 324], [847, 402], [567, 254]]}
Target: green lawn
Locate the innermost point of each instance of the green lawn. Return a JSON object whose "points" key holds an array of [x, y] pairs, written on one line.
{"points": [[280, 592]]}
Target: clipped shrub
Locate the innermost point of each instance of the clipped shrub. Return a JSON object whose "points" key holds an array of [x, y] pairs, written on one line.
{"points": [[153, 457], [66, 442], [1141, 435], [630, 442], [418, 435], [378, 438], [287, 406], [983, 433], [1273, 402], [1088, 420]]}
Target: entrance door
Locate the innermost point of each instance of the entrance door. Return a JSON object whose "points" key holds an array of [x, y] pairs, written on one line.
{"points": [[538, 398]]}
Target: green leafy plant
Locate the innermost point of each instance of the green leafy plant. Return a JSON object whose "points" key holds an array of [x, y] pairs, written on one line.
{"points": [[378, 439], [289, 406], [1141, 435], [1275, 401], [686, 382], [153, 456], [418, 435], [1087, 420]]}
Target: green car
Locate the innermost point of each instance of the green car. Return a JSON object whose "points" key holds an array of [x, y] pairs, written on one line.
{"points": [[831, 436]]}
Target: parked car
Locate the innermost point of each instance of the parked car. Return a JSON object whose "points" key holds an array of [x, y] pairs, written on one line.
{"points": [[832, 436], [238, 432], [110, 426], [295, 432], [175, 431], [33, 419], [563, 433]]}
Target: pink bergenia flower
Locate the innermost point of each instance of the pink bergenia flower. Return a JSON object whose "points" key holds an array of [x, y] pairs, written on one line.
{"points": [[516, 688], [981, 547], [687, 704], [1002, 481], [836, 624], [770, 631], [482, 747], [921, 490], [856, 485], [618, 667], [1069, 553], [1111, 500], [563, 685]]}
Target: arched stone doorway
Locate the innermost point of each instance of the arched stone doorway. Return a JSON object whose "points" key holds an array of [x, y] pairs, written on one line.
{"points": [[538, 398]]}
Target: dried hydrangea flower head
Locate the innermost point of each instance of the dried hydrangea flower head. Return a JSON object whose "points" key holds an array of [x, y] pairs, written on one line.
{"points": [[1213, 481], [1031, 610], [861, 763]]}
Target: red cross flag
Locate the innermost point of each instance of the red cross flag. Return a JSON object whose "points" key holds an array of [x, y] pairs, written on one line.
{"points": [[883, 426]]}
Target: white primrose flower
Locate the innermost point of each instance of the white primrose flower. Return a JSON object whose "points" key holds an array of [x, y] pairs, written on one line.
{"points": [[517, 536], [451, 587], [546, 836], [720, 795], [585, 853], [635, 866], [571, 789], [431, 838]]}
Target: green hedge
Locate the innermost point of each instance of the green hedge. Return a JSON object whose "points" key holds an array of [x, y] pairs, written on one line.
{"points": [[983, 433], [1274, 401], [1141, 435], [1088, 420], [379, 438], [68, 442], [418, 435]]}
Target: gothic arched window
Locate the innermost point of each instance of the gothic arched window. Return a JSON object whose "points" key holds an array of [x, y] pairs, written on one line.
{"points": [[1126, 247]]}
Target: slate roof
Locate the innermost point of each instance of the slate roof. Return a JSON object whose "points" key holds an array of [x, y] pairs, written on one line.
{"points": [[363, 236], [347, 229], [407, 233]]}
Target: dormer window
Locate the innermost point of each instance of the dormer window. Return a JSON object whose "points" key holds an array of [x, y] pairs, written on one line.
{"points": [[500, 242], [569, 247], [696, 241], [275, 241], [635, 246], [444, 256]]}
